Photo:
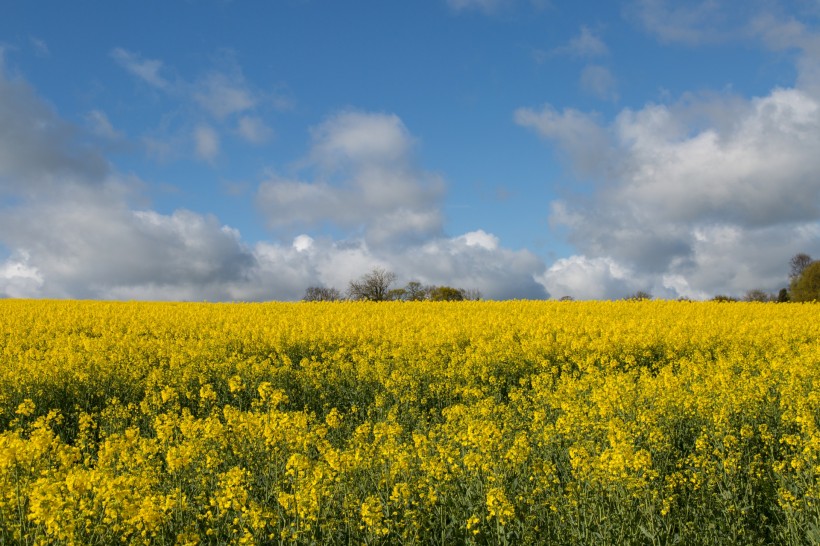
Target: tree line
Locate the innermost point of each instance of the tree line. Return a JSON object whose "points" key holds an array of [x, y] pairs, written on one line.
{"points": [[804, 285], [377, 285]]}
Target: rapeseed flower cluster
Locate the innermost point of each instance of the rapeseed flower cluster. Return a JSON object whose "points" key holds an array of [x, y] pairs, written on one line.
{"points": [[409, 423]]}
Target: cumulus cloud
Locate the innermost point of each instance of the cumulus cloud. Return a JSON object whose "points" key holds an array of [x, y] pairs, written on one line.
{"points": [[18, 279], [474, 260], [206, 141], [709, 195], [70, 230], [583, 139], [367, 181], [597, 278], [95, 247], [599, 82], [89, 244], [360, 139], [39, 150]]}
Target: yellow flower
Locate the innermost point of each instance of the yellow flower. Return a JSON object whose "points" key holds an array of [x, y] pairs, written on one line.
{"points": [[498, 506], [373, 516], [26, 408]]}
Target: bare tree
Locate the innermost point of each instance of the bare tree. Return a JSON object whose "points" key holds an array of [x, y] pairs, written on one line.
{"points": [[758, 295], [373, 286], [321, 293], [471, 294], [797, 264]]}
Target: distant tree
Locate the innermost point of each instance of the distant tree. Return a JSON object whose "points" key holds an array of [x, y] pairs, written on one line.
{"points": [[720, 298], [639, 295], [397, 294], [471, 294], [797, 264], [566, 298], [415, 291], [446, 293], [321, 293], [373, 286], [783, 296], [757, 295], [806, 287]]}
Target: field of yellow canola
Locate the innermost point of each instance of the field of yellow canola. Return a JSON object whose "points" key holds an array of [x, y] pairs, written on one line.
{"points": [[409, 423]]}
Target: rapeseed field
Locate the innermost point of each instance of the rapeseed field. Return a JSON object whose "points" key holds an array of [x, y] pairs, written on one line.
{"points": [[643, 422]]}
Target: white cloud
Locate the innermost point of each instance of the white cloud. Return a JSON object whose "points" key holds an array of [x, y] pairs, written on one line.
{"points": [[599, 82], [712, 194], [367, 181], [90, 245], [587, 144], [224, 94], [360, 138], [233, 107], [206, 141], [584, 278], [76, 235], [709, 195], [148, 70], [253, 130], [587, 44], [690, 23], [87, 243], [303, 243], [473, 260], [479, 238], [18, 279]]}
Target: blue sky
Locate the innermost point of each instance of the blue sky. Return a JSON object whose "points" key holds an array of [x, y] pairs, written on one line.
{"points": [[229, 150]]}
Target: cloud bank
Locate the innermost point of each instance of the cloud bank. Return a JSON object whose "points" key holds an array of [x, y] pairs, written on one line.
{"points": [[69, 227], [711, 194]]}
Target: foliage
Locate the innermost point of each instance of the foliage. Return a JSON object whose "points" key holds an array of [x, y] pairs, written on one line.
{"points": [[720, 298], [446, 293], [650, 422], [806, 287]]}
